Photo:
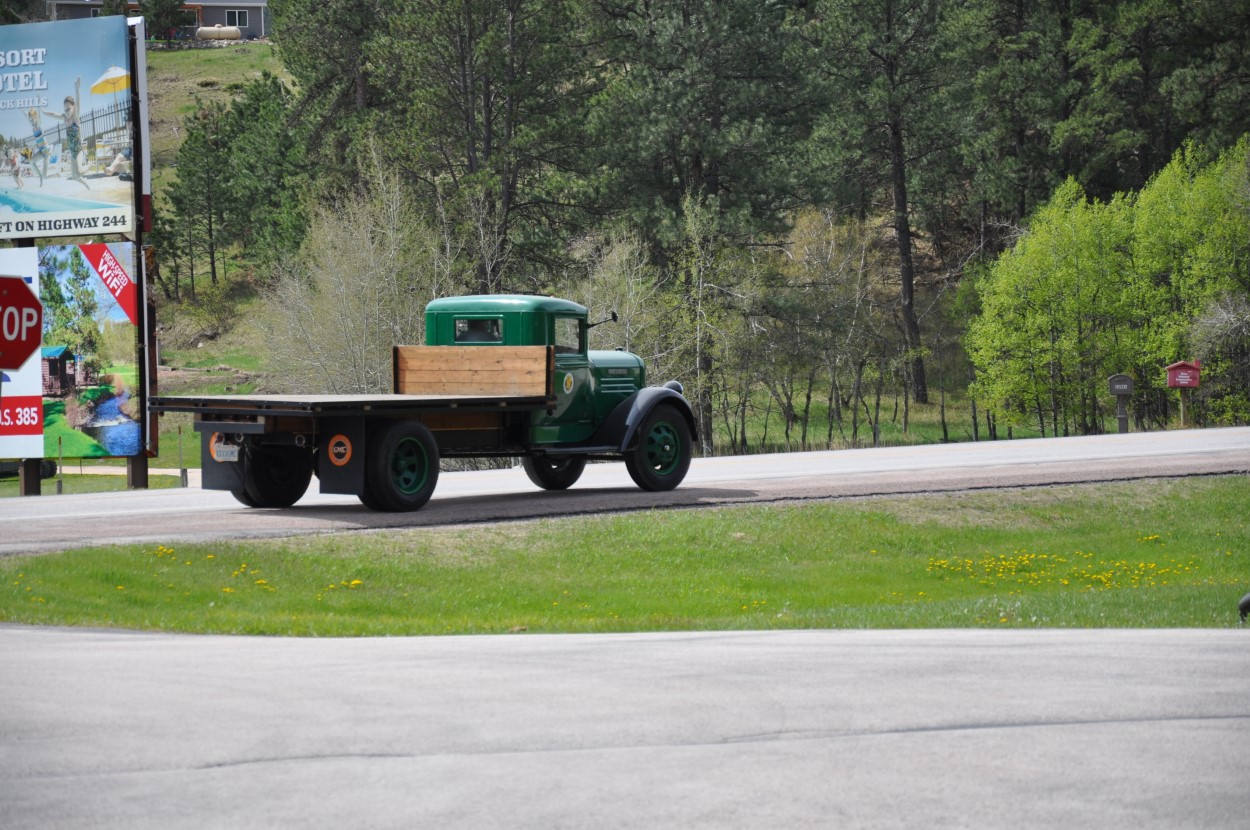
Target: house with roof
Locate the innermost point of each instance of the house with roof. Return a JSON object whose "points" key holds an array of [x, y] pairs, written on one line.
{"points": [[58, 371], [64, 372], [251, 17]]}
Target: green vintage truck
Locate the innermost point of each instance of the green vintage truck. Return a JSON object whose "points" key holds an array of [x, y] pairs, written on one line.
{"points": [[498, 376]]}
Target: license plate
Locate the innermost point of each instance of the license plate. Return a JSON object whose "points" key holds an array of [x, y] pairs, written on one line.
{"points": [[224, 452]]}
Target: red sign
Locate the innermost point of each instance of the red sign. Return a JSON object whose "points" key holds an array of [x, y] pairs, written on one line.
{"points": [[21, 323], [1184, 375], [21, 415], [114, 277]]}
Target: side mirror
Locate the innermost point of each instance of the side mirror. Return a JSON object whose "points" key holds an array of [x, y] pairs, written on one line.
{"points": [[609, 319]]}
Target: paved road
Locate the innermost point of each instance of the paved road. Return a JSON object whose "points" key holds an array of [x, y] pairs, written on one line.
{"points": [[59, 522], [931, 729]]}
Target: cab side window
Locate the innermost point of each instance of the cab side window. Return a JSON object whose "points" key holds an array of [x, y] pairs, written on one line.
{"points": [[479, 331], [568, 335]]}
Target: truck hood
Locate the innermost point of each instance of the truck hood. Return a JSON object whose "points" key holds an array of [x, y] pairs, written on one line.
{"points": [[614, 360]]}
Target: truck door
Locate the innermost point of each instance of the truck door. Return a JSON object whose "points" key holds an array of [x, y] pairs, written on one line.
{"points": [[573, 418]]}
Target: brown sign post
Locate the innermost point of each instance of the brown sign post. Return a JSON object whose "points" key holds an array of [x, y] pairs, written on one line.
{"points": [[1122, 387], [1184, 375]]}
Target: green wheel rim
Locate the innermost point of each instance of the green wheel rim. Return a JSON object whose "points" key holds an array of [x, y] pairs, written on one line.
{"points": [[663, 448], [409, 466]]}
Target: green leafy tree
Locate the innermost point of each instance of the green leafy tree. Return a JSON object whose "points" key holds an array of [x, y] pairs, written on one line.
{"points": [[22, 11], [324, 44], [1013, 84], [1096, 288], [162, 17], [482, 107], [265, 171], [885, 70], [70, 307], [704, 100], [359, 286], [112, 7], [200, 193], [1053, 324]]}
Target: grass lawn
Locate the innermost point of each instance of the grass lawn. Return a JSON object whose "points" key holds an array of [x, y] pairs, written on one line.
{"points": [[72, 483], [1157, 553]]}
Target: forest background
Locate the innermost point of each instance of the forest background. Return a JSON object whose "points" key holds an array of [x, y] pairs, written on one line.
{"points": [[801, 210]]}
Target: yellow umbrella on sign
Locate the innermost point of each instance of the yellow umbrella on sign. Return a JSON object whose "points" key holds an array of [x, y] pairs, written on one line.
{"points": [[113, 80]]}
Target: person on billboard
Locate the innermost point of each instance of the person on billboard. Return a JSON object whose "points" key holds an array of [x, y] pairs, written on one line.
{"points": [[13, 161], [38, 156], [120, 166], [73, 132]]}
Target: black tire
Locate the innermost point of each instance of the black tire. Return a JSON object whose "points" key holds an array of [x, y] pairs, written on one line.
{"points": [[275, 476], [243, 498], [370, 501], [401, 466], [554, 472], [660, 456]]}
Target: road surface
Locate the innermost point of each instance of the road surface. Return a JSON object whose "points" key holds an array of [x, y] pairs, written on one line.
{"points": [[822, 729], [44, 523], [964, 728]]}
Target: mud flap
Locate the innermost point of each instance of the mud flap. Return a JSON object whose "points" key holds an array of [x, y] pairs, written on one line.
{"points": [[221, 462], [341, 455]]}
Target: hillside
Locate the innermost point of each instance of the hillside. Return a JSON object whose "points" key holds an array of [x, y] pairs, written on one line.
{"points": [[178, 77]]}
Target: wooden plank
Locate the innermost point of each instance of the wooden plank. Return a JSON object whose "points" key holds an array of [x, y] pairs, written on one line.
{"points": [[523, 371]]}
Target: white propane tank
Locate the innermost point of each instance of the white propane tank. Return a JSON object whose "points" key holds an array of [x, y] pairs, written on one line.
{"points": [[218, 32]]}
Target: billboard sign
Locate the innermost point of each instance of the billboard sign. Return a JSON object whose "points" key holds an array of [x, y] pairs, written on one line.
{"points": [[79, 395], [67, 163]]}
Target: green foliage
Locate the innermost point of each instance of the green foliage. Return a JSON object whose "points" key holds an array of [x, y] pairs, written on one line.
{"points": [[162, 16], [1097, 288], [547, 144], [239, 182], [500, 169], [69, 312], [703, 99], [358, 287]]}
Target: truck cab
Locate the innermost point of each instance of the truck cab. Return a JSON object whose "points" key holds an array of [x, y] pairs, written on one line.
{"points": [[588, 384]]}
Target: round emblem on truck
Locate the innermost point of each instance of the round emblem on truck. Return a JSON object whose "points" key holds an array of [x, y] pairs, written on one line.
{"points": [[568, 383], [221, 450], [339, 449]]}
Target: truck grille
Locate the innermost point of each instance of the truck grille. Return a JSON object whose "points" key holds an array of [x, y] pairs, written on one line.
{"points": [[618, 386]]}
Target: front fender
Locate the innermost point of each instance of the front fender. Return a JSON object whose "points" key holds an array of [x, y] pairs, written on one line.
{"points": [[619, 428]]}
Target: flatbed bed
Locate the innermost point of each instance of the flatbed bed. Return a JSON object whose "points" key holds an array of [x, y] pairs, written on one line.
{"points": [[295, 405]]}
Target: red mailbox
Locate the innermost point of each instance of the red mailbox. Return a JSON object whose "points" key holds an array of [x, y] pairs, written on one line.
{"points": [[1184, 375]]}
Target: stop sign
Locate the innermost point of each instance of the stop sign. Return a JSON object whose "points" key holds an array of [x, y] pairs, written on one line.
{"points": [[21, 323]]}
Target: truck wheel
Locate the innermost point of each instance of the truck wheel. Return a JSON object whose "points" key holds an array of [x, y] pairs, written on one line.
{"points": [[369, 500], [661, 454], [275, 476], [401, 467], [556, 473]]}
